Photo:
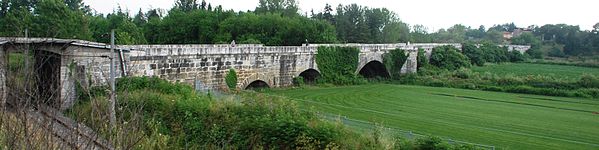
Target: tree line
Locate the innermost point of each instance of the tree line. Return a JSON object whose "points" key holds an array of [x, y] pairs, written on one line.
{"points": [[273, 22]]}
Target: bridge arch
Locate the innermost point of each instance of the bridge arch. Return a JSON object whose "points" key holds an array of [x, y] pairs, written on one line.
{"points": [[257, 84], [256, 79], [374, 69], [310, 75]]}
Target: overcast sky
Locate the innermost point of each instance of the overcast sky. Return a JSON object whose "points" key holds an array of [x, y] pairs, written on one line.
{"points": [[434, 14]]}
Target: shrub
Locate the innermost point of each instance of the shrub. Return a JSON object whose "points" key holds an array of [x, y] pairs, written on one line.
{"points": [[463, 73], [516, 56], [588, 81], [298, 81], [555, 51], [535, 52], [231, 79], [431, 143], [448, 57]]}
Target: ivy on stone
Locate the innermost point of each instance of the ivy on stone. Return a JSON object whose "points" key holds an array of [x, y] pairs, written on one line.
{"points": [[338, 65], [394, 61]]}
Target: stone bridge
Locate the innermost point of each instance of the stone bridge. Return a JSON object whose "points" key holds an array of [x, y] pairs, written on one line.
{"points": [[75, 61]]}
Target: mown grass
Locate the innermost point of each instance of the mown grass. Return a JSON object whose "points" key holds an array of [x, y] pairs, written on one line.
{"points": [[507, 121], [524, 69]]}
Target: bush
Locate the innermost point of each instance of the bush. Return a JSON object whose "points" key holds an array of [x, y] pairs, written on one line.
{"points": [[448, 57], [463, 73], [535, 52], [431, 143], [516, 56], [588, 81], [231, 79], [298, 81], [555, 51]]}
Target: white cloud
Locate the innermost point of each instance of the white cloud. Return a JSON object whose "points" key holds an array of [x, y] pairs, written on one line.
{"points": [[434, 14]]}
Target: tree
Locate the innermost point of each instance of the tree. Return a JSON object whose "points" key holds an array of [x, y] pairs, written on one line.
{"points": [[15, 22], [186, 5], [454, 34], [476, 34], [4, 8], [376, 20], [419, 34], [475, 54], [494, 53], [529, 39], [29, 5], [508, 27], [285, 7], [274, 29], [327, 15], [74, 4], [395, 32], [140, 18], [494, 37], [203, 5], [53, 18], [448, 57], [351, 24]]}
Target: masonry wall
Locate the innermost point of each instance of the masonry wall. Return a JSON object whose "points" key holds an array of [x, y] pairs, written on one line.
{"points": [[206, 65]]}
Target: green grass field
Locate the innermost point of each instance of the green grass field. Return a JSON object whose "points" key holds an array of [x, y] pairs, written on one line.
{"points": [[504, 120], [523, 69]]}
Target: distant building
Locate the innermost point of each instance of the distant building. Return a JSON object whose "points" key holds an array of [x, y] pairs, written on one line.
{"points": [[507, 36]]}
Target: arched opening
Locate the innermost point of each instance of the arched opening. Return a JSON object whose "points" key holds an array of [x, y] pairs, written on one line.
{"points": [[374, 69], [257, 85], [310, 76]]}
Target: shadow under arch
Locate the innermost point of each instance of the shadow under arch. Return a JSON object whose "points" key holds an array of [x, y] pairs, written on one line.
{"points": [[257, 85], [310, 76], [374, 69]]}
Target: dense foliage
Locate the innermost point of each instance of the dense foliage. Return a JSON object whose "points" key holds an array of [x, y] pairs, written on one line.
{"points": [[448, 57], [394, 61], [422, 59], [337, 65], [231, 79], [474, 53]]}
